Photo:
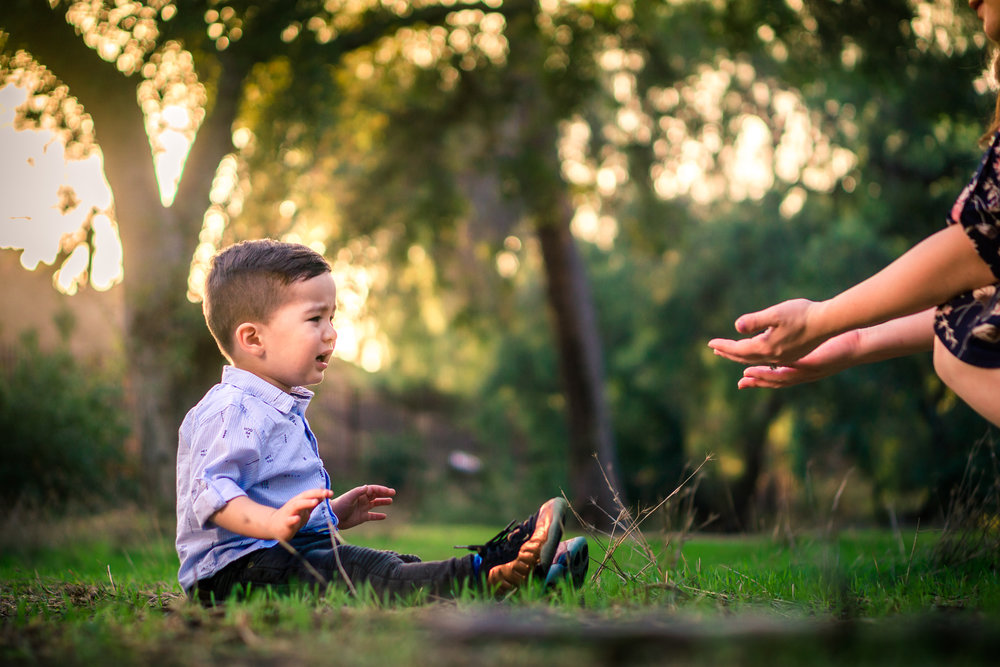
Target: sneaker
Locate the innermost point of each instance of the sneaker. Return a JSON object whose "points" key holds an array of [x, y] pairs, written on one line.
{"points": [[570, 562], [511, 557]]}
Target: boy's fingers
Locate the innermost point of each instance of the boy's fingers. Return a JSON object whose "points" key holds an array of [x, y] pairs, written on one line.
{"points": [[360, 491], [375, 490], [317, 494], [296, 505]]}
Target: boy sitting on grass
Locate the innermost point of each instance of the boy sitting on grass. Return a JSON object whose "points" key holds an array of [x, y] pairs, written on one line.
{"points": [[254, 505]]}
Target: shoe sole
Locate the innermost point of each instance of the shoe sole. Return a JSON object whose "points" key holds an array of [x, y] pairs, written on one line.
{"points": [[551, 543], [572, 564], [539, 548]]}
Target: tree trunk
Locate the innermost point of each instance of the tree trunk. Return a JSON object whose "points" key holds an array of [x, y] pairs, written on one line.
{"points": [[753, 439], [165, 338], [593, 465], [582, 369], [172, 359], [532, 158]]}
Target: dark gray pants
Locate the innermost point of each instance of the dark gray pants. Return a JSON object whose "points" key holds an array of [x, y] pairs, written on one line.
{"points": [[387, 573]]}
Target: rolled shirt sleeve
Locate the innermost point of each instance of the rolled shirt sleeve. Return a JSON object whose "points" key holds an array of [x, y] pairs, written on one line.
{"points": [[225, 458]]}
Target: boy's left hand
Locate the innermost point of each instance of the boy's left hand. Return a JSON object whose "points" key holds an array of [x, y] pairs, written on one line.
{"points": [[354, 507]]}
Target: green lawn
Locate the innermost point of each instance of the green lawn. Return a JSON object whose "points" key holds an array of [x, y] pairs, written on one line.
{"points": [[103, 590]]}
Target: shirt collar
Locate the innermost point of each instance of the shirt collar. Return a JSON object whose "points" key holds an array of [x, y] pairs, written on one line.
{"points": [[286, 403]]}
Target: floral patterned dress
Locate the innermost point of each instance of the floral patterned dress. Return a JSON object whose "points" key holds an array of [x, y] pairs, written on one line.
{"points": [[969, 324]]}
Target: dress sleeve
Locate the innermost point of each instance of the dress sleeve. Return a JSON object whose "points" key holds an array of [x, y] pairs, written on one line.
{"points": [[977, 208]]}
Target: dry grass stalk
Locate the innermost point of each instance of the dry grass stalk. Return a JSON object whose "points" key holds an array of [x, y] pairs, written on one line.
{"points": [[972, 523], [630, 529]]}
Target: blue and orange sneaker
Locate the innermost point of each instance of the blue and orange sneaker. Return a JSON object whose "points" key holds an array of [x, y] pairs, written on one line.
{"points": [[516, 553]]}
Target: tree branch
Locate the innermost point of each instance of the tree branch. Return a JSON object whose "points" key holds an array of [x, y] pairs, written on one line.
{"points": [[44, 32]]}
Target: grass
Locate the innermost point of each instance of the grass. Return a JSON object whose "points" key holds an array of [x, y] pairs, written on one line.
{"points": [[103, 589]]}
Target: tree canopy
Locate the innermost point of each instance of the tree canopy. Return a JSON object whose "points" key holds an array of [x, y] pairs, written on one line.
{"points": [[543, 208]]}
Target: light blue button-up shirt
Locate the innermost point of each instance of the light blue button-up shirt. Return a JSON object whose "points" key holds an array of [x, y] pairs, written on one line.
{"points": [[245, 437]]}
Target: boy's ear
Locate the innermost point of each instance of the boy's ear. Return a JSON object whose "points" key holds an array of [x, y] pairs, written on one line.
{"points": [[248, 339]]}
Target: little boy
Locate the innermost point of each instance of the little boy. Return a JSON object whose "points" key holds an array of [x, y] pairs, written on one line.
{"points": [[250, 482]]}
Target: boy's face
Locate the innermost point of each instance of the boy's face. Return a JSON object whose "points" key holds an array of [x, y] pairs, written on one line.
{"points": [[297, 341]]}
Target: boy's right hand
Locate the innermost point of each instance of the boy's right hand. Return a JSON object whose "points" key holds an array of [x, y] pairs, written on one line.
{"points": [[246, 517], [286, 521]]}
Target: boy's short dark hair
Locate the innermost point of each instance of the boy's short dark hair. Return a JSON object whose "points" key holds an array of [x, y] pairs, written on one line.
{"points": [[247, 281]]}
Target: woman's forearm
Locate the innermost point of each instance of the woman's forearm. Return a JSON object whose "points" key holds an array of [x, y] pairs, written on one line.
{"points": [[938, 268], [896, 338]]}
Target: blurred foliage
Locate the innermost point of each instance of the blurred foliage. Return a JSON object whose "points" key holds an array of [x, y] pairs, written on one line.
{"points": [[64, 428], [416, 160], [408, 168], [396, 462], [680, 272]]}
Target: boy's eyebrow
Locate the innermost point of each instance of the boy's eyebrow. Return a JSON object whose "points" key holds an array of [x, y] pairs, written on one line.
{"points": [[319, 306]]}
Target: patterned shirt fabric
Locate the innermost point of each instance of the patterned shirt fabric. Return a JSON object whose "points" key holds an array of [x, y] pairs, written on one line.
{"points": [[245, 437], [969, 324]]}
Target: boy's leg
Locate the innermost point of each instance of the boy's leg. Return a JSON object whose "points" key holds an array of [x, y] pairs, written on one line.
{"points": [[274, 567], [391, 575], [315, 563], [505, 562]]}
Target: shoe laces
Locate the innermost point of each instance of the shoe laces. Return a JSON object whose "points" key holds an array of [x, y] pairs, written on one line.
{"points": [[507, 540]]}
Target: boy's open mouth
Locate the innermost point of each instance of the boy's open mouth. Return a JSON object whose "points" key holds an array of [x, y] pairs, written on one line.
{"points": [[325, 357]]}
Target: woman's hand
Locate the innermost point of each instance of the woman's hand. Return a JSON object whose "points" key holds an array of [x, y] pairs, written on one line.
{"points": [[786, 334], [895, 338], [829, 358]]}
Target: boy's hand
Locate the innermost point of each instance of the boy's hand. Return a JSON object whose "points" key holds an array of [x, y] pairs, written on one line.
{"points": [[286, 521], [354, 507], [246, 517]]}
